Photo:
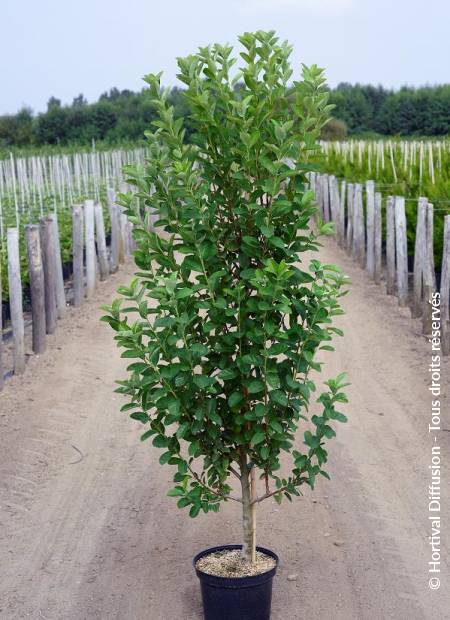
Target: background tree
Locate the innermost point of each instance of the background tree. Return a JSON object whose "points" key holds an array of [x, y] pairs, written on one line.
{"points": [[120, 116], [334, 130]]}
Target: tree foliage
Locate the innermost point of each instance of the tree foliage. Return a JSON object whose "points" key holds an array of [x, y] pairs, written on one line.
{"points": [[229, 322]]}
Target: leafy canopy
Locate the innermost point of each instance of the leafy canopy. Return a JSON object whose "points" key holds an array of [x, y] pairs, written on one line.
{"points": [[229, 319]]}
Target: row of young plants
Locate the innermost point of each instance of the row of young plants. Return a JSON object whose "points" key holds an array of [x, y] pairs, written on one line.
{"points": [[64, 216], [399, 168], [33, 186]]}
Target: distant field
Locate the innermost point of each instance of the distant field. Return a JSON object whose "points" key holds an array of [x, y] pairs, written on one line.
{"points": [[51, 180]]}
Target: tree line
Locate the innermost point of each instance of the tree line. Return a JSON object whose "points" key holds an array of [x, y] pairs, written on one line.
{"points": [[407, 112], [124, 115]]}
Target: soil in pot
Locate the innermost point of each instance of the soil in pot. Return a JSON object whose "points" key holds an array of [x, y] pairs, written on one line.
{"points": [[231, 563]]}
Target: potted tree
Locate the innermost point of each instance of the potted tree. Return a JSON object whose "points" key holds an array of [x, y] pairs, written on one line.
{"points": [[231, 304]]}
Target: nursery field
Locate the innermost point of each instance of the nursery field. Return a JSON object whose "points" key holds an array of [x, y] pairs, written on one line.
{"points": [[32, 186], [109, 539], [35, 186], [409, 168]]}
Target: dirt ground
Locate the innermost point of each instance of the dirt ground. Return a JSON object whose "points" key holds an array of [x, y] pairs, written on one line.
{"points": [[87, 532]]}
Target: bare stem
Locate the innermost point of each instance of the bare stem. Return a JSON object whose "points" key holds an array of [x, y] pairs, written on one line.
{"points": [[248, 509]]}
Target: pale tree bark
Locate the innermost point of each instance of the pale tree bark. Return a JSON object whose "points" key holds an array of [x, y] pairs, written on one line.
{"points": [[248, 484]]}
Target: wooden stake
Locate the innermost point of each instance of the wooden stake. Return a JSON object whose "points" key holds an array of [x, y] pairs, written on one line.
{"points": [[131, 243], [115, 231], [390, 246], [377, 237], [59, 278], [326, 198], [429, 276], [101, 242], [37, 287], [48, 259], [318, 196], [359, 250], [349, 238], [419, 258], [341, 221], [312, 181], [332, 199], [401, 247], [123, 243], [355, 225], [430, 245], [15, 299], [91, 258], [77, 256], [370, 227], [116, 239]]}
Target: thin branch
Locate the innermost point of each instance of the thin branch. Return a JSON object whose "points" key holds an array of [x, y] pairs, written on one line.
{"points": [[296, 482], [205, 486], [233, 471], [267, 495]]}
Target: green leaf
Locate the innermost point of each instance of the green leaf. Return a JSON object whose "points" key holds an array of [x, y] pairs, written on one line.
{"points": [[159, 441], [228, 373], [165, 457], [267, 231], [276, 426], [182, 429], [215, 417], [273, 379], [311, 440], [203, 381], [260, 410], [258, 437], [329, 432], [194, 511], [264, 452], [235, 399], [199, 349], [140, 416], [176, 492], [278, 397], [184, 292], [255, 386], [340, 417], [277, 242]]}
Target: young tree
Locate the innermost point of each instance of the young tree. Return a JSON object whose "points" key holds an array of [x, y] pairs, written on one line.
{"points": [[229, 316]]}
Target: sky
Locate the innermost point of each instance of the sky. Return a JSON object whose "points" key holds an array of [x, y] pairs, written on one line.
{"points": [[62, 48]]}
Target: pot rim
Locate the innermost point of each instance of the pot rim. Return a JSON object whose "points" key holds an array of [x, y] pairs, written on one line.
{"points": [[235, 582]]}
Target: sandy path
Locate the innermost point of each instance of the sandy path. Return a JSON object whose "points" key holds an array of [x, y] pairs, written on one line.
{"points": [[99, 539]]}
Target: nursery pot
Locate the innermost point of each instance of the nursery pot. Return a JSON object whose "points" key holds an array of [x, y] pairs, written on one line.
{"points": [[236, 598]]}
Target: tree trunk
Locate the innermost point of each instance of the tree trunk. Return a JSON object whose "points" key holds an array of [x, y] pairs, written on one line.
{"points": [[248, 483]]}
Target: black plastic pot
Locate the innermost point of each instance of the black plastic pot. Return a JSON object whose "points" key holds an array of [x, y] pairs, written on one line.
{"points": [[236, 598]]}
